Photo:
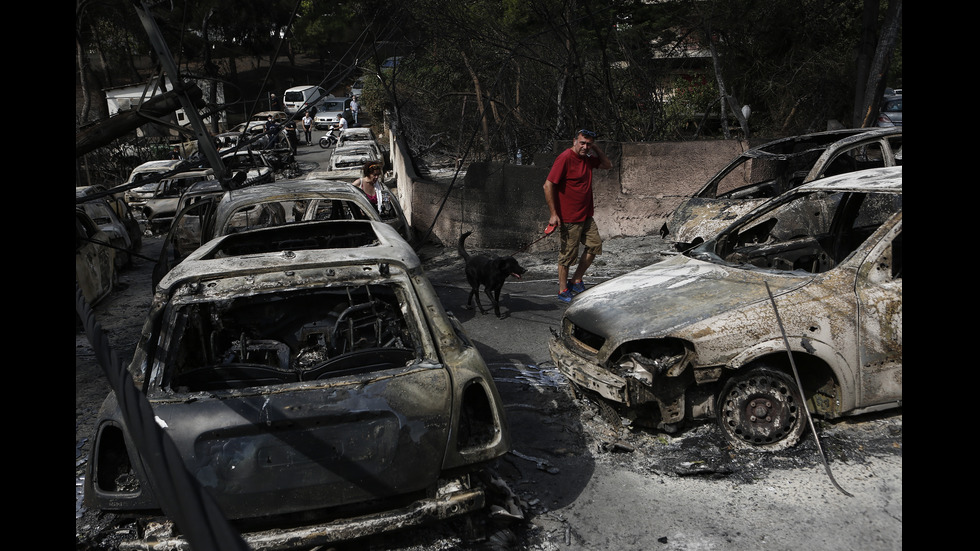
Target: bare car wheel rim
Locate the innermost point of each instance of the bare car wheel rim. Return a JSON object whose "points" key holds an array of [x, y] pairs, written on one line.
{"points": [[761, 409]]}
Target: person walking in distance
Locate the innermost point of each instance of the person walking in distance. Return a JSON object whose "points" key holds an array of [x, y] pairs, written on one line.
{"points": [[291, 137], [568, 191], [354, 106], [308, 127]]}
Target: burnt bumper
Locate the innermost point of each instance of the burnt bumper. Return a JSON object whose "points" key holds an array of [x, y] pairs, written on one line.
{"points": [[587, 375], [668, 394], [452, 499]]}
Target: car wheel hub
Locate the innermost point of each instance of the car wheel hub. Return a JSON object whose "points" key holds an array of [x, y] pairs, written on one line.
{"points": [[761, 409]]}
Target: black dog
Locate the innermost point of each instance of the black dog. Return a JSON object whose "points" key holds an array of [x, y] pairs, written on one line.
{"points": [[488, 272]]}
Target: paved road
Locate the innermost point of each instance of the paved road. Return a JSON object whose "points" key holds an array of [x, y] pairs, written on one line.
{"points": [[313, 159]]}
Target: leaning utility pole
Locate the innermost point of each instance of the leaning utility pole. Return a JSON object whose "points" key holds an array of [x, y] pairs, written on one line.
{"points": [[204, 143]]}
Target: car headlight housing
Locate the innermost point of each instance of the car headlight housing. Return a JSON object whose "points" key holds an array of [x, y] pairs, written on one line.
{"points": [[648, 360]]}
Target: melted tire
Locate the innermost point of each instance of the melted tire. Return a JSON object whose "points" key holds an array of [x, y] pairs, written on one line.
{"points": [[761, 410]]}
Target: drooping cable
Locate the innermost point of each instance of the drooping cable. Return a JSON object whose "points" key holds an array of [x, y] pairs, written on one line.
{"points": [[799, 384]]}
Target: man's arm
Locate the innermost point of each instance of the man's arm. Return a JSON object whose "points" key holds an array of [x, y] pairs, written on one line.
{"points": [[549, 196], [604, 162]]}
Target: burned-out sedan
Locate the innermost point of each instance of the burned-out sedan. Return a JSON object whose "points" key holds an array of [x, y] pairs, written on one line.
{"points": [[95, 259], [312, 382], [151, 172], [764, 172], [123, 230], [159, 210], [810, 282], [249, 167], [212, 212], [354, 156]]}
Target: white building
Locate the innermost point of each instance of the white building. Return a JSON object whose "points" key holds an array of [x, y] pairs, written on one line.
{"points": [[123, 98]]}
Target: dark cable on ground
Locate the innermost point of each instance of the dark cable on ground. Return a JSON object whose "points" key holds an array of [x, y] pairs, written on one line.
{"points": [[799, 384]]}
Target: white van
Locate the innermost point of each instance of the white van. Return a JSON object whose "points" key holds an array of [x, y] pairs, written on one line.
{"points": [[300, 98]]}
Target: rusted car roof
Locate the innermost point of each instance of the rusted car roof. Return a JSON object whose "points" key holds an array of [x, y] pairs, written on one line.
{"points": [[361, 241]]}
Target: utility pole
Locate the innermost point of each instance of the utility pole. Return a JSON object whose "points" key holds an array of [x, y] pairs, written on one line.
{"points": [[204, 142]]}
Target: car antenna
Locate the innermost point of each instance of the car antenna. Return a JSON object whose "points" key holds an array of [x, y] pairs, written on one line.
{"points": [[796, 375]]}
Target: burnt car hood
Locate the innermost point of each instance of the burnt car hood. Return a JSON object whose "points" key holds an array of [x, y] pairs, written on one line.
{"points": [[706, 216], [653, 301]]}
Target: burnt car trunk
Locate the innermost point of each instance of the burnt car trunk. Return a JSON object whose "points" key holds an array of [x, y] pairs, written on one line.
{"points": [[276, 453]]}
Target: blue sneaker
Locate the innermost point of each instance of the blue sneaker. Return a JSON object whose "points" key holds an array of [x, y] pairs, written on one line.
{"points": [[565, 296], [576, 288]]}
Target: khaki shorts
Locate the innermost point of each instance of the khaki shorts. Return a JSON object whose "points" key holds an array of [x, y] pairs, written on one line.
{"points": [[586, 233]]}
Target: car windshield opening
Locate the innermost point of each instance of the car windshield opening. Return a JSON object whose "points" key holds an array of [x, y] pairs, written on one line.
{"points": [[812, 233], [344, 234], [290, 337]]}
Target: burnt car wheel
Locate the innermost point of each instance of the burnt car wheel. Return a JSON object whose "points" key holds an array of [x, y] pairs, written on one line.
{"points": [[762, 409]]}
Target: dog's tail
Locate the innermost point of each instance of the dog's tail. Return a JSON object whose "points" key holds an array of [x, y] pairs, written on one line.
{"points": [[462, 251]]}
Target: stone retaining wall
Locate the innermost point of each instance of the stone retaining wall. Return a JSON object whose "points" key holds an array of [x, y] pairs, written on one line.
{"points": [[504, 206]]}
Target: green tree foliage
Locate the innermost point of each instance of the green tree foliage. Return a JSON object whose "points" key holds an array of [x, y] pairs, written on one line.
{"points": [[486, 78]]}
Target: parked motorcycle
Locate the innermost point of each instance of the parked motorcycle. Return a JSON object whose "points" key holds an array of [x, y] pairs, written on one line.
{"points": [[329, 139]]}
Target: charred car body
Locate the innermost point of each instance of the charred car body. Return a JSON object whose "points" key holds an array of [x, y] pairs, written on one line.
{"points": [[769, 170], [311, 380], [151, 170], [361, 136], [354, 156], [160, 208], [248, 167], [115, 219], [209, 214], [95, 261], [696, 336]]}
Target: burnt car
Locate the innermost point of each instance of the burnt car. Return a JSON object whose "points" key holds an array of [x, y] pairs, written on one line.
{"points": [[697, 336], [389, 211], [764, 172], [194, 213], [160, 208], [115, 219], [354, 156], [360, 136], [249, 167], [311, 381], [136, 197], [95, 261], [210, 212], [290, 201]]}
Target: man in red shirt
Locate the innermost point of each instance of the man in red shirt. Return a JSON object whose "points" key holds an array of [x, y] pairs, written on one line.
{"points": [[568, 191]]}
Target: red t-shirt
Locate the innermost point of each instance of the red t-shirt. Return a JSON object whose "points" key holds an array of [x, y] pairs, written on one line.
{"points": [[572, 176]]}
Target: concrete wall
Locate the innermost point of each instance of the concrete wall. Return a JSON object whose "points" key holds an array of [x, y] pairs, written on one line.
{"points": [[504, 205]]}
